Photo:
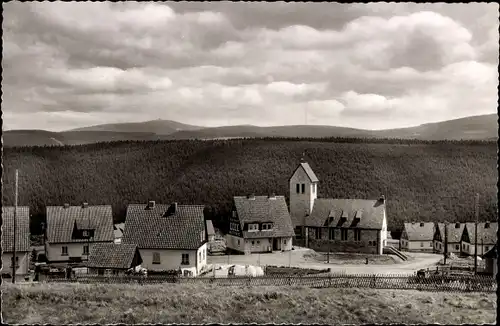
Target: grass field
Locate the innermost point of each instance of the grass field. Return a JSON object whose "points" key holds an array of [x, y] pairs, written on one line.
{"points": [[189, 303]]}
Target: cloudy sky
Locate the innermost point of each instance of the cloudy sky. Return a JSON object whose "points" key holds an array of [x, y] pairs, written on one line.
{"points": [[375, 66]]}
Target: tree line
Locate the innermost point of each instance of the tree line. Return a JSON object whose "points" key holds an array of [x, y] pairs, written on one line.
{"points": [[422, 180]]}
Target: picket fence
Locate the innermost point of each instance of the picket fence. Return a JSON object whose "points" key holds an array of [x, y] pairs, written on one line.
{"points": [[437, 283]]}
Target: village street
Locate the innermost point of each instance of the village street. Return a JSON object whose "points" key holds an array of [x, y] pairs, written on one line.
{"points": [[295, 258]]}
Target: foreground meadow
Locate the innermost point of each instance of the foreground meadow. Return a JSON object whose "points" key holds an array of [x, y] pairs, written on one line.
{"points": [[190, 303]]}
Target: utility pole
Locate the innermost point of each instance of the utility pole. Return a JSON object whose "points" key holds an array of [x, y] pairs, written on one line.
{"points": [[476, 208], [15, 227], [445, 241]]}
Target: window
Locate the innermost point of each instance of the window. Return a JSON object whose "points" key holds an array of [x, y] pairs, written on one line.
{"points": [[85, 249], [457, 247], [85, 233], [284, 241], [318, 233], [267, 226], [253, 227], [486, 248], [64, 251], [313, 188], [234, 214], [331, 234], [421, 225], [253, 242], [156, 258], [100, 272], [199, 257], [343, 234], [487, 225], [357, 235], [238, 242], [185, 259], [421, 244], [298, 188], [457, 225], [303, 188], [258, 241], [430, 244]]}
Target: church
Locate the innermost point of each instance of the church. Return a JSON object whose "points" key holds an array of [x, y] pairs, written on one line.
{"points": [[331, 224]]}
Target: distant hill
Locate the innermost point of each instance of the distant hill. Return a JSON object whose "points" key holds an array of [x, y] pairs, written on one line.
{"points": [[159, 127], [483, 127]]}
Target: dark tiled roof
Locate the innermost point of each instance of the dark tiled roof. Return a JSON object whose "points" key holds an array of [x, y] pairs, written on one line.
{"points": [[151, 229], [210, 228], [22, 228], [328, 212], [309, 172], [492, 253], [61, 222], [112, 255], [485, 235], [263, 209], [415, 232]]}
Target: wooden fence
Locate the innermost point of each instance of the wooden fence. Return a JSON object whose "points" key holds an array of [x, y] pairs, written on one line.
{"points": [[477, 283]]}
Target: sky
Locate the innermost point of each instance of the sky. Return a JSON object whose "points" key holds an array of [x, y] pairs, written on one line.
{"points": [[372, 66]]}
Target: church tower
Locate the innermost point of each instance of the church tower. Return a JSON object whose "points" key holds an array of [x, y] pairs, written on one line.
{"points": [[303, 192]]}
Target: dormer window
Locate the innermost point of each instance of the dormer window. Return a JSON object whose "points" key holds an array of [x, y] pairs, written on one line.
{"points": [[267, 226], [253, 227]]}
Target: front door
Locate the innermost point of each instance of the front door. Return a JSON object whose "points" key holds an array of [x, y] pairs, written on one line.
{"points": [[276, 244]]}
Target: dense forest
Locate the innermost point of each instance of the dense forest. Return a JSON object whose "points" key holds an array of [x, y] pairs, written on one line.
{"points": [[422, 180]]}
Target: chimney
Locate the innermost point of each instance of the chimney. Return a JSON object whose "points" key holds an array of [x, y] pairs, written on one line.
{"points": [[251, 196], [151, 204], [85, 205], [66, 205], [272, 196], [382, 198]]}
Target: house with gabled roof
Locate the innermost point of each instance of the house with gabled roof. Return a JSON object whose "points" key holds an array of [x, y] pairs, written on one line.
{"points": [[113, 258], [22, 260], [169, 237], [450, 234], [486, 238], [418, 236], [327, 224], [491, 261], [71, 231], [259, 224]]}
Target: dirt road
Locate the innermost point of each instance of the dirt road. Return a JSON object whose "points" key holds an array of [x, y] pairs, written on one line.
{"points": [[295, 258]]}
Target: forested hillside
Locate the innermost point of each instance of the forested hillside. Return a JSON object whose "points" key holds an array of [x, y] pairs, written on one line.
{"points": [[429, 181]]}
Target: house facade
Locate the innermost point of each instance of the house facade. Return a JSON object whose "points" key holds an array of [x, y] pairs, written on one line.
{"points": [[259, 224], [169, 237], [418, 236], [486, 238], [113, 258], [71, 231], [118, 232], [450, 234], [491, 261], [22, 259], [326, 224]]}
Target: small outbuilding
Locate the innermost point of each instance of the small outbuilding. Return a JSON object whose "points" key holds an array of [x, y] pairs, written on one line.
{"points": [[113, 258], [490, 260]]}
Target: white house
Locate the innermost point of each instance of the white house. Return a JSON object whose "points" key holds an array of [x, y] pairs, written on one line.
{"points": [[418, 236], [327, 224], [486, 238], [118, 232], [260, 224], [169, 237], [71, 231], [22, 259]]}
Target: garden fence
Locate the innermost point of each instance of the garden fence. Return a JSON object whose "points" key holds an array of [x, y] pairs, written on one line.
{"points": [[476, 283]]}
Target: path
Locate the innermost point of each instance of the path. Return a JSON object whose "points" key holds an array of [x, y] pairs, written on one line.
{"points": [[295, 258]]}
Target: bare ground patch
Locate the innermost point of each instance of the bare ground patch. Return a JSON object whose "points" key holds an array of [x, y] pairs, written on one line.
{"points": [[350, 258]]}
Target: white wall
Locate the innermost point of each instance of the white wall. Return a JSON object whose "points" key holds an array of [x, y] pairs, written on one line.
{"points": [[302, 202], [54, 250], [469, 248], [286, 243], [171, 259], [383, 233], [258, 245], [23, 262], [235, 243]]}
